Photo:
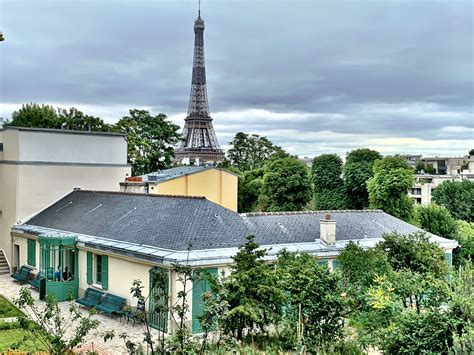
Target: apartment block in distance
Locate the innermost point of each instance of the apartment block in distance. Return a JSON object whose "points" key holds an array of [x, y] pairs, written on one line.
{"points": [[40, 166]]}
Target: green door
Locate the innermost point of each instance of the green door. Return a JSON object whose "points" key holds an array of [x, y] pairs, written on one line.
{"points": [[200, 287], [158, 301]]}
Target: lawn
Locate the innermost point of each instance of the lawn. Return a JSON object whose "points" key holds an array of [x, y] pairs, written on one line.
{"points": [[9, 337], [7, 309]]}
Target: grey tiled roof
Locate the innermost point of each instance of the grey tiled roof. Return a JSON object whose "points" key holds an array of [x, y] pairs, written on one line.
{"points": [[300, 227], [173, 222], [170, 222]]}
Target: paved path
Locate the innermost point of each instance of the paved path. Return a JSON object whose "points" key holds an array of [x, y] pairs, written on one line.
{"points": [[10, 290]]}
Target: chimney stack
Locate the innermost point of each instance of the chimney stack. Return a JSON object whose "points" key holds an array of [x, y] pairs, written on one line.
{"points": [[327, 227]]}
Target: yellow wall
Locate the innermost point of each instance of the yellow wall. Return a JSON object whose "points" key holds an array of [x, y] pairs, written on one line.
{"points": [[216, 185]]}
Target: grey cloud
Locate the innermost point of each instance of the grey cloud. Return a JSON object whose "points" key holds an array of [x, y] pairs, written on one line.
{"points": [[388, 69]]}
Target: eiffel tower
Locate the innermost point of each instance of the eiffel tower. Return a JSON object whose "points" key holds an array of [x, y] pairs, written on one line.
{"points": [[200, 143]]}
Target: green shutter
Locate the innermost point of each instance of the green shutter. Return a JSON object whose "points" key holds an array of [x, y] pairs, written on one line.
{"points": [[158, 300], [449, 258], [335, 264], [105, 272], [31, 256], [323, 262], [89, 267], [199, 288]]}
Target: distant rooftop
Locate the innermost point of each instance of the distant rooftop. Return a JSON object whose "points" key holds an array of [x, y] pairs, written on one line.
{"points": [[173, 173], [65, 131]]}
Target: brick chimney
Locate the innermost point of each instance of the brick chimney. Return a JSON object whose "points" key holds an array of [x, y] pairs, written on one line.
{"points": [[327, 227]]}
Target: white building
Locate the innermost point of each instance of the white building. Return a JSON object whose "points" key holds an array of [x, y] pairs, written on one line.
{"points": [[39, 166]]}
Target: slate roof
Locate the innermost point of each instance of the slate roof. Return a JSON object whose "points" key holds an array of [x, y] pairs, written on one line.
{"points": [[301, 227], [170, 222], [174, 222]]}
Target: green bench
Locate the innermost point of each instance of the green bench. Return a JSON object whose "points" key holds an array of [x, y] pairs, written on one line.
{"points": [[22, 273], [92, 298], [111, 304], [36, 281]]}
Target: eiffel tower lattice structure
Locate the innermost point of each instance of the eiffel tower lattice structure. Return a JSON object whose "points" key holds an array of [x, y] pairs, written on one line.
{"points": [[200, 141]]}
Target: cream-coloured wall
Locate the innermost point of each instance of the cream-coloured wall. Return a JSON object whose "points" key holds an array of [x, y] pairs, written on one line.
{"points": [[41, 185], [67, 147], [176, 186], [230, 185], [8, 204], [23, 243], [39, 167], [216, 185], [121, 273]]}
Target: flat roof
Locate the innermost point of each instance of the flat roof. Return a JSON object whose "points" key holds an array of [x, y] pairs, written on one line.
{"points": [[64, 131]]}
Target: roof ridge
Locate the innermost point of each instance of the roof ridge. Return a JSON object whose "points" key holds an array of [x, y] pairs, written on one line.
{"points": [[141, 194], [256, 214]]}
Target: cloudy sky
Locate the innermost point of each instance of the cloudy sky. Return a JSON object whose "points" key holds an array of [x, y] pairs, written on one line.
{"points": [[314, 76]]}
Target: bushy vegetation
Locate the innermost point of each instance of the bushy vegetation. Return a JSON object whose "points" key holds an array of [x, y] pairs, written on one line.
{"points": [[399, 297]]}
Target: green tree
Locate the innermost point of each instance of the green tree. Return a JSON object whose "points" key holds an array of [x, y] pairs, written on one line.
{"points": [[35, 116], [388, 188], [251, 151], [45, 116], [250, 188], [329, 191], [414, 252], [457, 197], [465, 237], [421, 166], [77, 120], [357, 171], [360, 267], [253, 298], [437, 220], [287, 184], [150, 140], [313, 299], [57, 330]]}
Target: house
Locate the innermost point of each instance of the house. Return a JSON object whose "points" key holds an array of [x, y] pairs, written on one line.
{"points": [[109, 239], [38, 166], [215, 184]]}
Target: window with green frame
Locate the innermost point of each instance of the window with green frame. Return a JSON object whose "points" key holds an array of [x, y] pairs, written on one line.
{"points": [[98, 269], [31, 255], [200, 287]]}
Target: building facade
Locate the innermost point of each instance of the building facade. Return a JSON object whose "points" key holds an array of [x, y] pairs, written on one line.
{"points": [[39, 166], [121, 237], [217, 185]]}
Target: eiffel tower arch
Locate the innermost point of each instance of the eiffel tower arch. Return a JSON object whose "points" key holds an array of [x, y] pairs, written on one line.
{"points": [[200, 143]]}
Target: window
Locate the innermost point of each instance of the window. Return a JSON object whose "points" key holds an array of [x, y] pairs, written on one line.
{"points": [[98, 269], [416, 191]]}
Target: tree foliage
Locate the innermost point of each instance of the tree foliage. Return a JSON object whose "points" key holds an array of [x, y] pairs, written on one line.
{"points": [[422, 167], [414, 252], [388, 188], [150, 140], [58, 331], [254, 301], [287, 184], [313, 298], [45, 116], [329, 191], [250, 188], [457, 197], [251, 151], [357, 171], [437, 220], [465, 237]]}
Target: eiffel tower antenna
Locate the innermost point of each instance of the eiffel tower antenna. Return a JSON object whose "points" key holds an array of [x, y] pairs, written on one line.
{"points": [[200, 141]]}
